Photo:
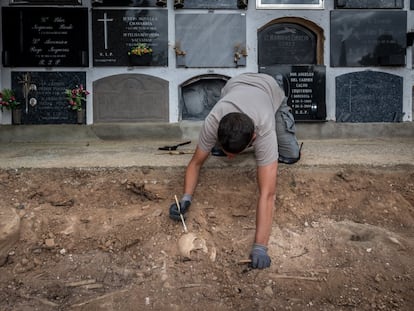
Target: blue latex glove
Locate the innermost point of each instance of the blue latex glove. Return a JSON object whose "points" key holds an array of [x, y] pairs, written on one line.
{"points": [[260, 258], [185, 203]]}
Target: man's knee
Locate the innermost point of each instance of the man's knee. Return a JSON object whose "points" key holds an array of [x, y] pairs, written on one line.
{"points": [[289, 149]]}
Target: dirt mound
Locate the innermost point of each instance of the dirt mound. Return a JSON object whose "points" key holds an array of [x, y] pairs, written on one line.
{"points": [[101, 239]]}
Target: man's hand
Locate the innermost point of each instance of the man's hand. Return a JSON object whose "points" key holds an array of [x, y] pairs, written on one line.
{"points": [[185, 203], [260, 258]]}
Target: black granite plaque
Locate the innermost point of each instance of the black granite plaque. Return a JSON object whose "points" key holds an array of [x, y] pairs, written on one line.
{"points": [[368, 38], [45, 37], [369, 96], [130, 3], [46, 102], [286, 43], [411, 4], [304, 87], [213, 4], [369, 4], [116, 32]]}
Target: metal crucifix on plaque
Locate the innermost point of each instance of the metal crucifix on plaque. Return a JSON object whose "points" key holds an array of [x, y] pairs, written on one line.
{"points": [[26, 81], [27, 87], [105, 20]]}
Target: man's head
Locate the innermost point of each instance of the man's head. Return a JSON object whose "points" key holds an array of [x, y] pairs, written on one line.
{"points": [[235, 132]]}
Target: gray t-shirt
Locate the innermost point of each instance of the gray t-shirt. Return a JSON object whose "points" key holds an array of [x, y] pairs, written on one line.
{"points": [[258, 96]]}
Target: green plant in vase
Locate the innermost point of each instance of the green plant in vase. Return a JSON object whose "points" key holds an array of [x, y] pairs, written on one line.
{"points": [[8, 100], [140, 49], [76, 96], [140, 55]]}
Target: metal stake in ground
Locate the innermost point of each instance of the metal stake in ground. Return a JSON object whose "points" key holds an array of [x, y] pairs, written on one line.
{"points": [[181, 215]]}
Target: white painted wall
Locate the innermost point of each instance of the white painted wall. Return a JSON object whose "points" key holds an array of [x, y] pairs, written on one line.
{"points": [[254, 20]]}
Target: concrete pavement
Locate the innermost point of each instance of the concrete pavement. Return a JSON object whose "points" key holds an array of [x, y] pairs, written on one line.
{"points": [[81, 146], [371, 152]]}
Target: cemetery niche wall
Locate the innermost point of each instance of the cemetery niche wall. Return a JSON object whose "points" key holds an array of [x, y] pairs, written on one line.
{"points": [[45, 37], [42, 96], [116, 32], [369, 96], [368, 38]]}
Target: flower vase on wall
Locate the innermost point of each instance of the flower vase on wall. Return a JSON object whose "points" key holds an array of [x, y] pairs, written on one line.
{"points": [[16, 116], [80, 116]]}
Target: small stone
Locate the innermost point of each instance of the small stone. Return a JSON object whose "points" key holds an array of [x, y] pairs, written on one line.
{"points": [[49, 243], [314, 224], [25, 262], [157, 213], [62, 251], [20, 206], [268, 291], [394, 240], [37, 261]]}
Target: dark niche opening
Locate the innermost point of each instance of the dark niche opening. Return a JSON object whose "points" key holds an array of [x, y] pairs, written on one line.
{"points": [[199, 95]]}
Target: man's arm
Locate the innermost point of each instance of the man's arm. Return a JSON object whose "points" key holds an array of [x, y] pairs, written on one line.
{"points": [[193, 170], [190, 183], [266, 179]]}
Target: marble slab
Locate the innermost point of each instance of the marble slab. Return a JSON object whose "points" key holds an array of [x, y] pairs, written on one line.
{"points": [[365, 38], [210, 40], [130, 98], [369, 96]]}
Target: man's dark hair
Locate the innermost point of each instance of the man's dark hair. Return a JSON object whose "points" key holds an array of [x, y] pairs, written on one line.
{"points": [[235, 132]]}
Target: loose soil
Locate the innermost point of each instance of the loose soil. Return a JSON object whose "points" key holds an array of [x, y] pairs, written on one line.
{"points": [[101, 239]]}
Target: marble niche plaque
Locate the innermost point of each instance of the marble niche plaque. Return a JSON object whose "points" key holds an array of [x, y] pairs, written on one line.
{"points": [[368, 38], [117, 31], [210, 40], [214, 4], [286, 43], [130, 98], [304, 86], [45, 102], [131, 3], [289, 4], [369, 4], [40, 37], [369, 96]]}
